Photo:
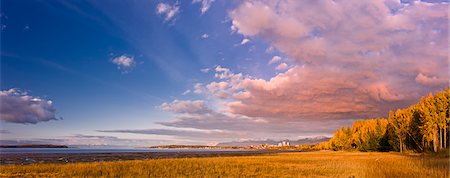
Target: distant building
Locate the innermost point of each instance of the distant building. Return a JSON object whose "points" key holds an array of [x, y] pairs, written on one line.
{"points": [[284, 143]]}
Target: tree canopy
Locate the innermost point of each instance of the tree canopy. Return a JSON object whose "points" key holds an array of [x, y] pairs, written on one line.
{"points": [[420, 127]]}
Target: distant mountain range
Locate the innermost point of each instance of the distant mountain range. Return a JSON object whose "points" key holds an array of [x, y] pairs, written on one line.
{"points": [[303, 141]]}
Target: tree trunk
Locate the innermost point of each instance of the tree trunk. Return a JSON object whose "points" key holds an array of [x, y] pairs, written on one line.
{"points": [[445, 137], [423, 143], [441, 138], [435, 141], [401, 146]]}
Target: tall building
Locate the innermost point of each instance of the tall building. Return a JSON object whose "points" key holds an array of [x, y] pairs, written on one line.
{"points": [[284, 143]]}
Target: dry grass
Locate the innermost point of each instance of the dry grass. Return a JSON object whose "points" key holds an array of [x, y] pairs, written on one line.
{"points": [[308, 164]]}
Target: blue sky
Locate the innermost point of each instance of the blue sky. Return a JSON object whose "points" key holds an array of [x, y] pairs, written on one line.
{"points": [[187, 76]]}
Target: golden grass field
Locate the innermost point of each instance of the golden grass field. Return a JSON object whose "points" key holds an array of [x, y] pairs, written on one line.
{"points": [[305, 164]]}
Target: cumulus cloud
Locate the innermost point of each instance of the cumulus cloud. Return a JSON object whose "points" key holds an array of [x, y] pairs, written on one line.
{"points": [[329, 31], [198, 88], [351, 58], [216, 86], [124, 63], [168, 11], [281, 66], [275, 59], [205, 4], [19, 107], [288, 95]]}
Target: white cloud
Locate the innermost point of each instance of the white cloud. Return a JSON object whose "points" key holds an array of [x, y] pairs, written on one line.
{"points": [[204, 36], [186, 92], [168, 11], [222, 69], [198, 88], [206, 4], [205, 70], [124, 63], [19, 107], [275, 59], [245, 41]]}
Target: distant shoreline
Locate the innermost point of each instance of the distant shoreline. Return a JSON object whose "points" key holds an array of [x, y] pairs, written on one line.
{"points": [[31, 158], [196, 147]]}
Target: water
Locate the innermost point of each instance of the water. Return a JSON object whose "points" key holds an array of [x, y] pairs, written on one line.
{"points": [[106, 150]]}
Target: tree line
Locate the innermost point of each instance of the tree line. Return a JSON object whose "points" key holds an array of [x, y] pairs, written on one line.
{"points": [[421, 127]]}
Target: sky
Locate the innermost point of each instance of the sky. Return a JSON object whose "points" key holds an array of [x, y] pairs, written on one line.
{"points": [[156, 72]]}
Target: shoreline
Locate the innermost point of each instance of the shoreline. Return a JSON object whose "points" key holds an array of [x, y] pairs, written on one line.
{"points": [[62, 158]]}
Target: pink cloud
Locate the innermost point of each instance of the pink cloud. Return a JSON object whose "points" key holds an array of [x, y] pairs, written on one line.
{"points": [[275, 59], [186, 106], [282, 66], [430, 80], [216, 86], [301, 92], [235, 127], [350, 60], [339, 31], [357, 57]]}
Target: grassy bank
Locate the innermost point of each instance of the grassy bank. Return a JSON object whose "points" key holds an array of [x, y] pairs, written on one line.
{"points": [[307, 164]]}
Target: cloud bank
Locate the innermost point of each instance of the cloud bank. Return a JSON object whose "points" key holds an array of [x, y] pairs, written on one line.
{"points": [[352, 58], [4, 131], [197, 134], [89, 140], [19, 107]]}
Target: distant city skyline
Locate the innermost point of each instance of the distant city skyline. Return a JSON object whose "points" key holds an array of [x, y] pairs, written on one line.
{"points": [[142, 73]]}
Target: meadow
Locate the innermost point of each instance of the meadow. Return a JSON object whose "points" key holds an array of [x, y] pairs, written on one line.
{"points": [[299, 164]]}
